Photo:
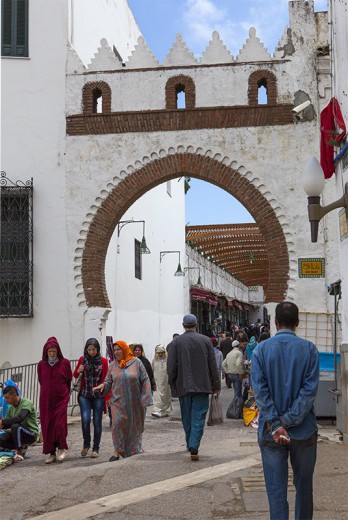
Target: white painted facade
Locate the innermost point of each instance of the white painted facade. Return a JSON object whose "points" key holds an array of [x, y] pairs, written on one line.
{"points": [[33, 145], [339, 62], [149, 310], [73, 175]]}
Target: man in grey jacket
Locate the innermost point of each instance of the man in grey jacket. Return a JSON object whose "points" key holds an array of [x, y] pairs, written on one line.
{"points": [[192, 376]]}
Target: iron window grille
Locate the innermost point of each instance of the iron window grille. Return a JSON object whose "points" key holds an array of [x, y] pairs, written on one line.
{"points": [[14, 28], [16, 248]]}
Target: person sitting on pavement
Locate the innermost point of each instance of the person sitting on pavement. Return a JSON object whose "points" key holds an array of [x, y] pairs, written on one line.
{"points": [[234, 365], [162, 400], [20, 424]]}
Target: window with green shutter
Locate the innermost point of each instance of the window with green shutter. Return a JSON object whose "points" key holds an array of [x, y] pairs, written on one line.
{"points": [[14, 28]]}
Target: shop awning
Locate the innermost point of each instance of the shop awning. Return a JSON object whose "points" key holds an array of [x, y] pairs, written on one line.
{"points": [[203, 296]]}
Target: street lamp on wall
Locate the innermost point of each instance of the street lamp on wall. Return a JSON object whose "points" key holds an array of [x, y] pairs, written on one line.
{"points": [[144, 250], [179, 271], [313, 184], [199, 283]]}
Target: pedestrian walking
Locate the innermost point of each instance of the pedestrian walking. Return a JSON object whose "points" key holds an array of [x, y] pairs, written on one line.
{"points": [[54, 374], [218, 357], [162, 399], [192, 376], [93, 368], [138, 351], [233, 365], [130, 395], [285, 376]]}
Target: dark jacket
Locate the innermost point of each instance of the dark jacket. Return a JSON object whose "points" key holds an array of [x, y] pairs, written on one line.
{"points": [[191, 365], [226, 346]]}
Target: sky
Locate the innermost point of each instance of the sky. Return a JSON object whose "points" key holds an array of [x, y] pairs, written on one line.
{"points": [[161, 20]]}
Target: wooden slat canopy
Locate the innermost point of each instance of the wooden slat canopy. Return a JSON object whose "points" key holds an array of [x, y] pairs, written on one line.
{"points": [[238, 248]]}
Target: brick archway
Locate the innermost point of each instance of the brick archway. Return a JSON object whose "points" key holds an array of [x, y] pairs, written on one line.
{"points": [[158, 171]]}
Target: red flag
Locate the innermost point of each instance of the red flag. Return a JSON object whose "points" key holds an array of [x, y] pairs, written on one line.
{"points": [[329, 118]]}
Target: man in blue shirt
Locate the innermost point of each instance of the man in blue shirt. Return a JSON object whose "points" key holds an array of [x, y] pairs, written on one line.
{"points": [[285, 376]]}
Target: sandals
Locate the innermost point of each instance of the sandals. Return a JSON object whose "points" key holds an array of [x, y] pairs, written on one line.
{"points": [[18, 458], [116, 456], [113, 458]]}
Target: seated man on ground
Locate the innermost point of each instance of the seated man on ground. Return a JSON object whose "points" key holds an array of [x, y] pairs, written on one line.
{"points": [[20, 424]]}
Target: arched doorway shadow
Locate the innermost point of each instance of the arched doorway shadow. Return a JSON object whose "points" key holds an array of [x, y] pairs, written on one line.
{"points": [[155, 172]]}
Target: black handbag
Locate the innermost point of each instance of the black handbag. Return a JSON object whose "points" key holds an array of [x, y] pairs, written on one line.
{"points": [[235, 408]]}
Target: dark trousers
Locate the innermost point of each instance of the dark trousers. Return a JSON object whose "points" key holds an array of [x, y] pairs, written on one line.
{"points": [[16, 437], [194, 409], [275, 467]]}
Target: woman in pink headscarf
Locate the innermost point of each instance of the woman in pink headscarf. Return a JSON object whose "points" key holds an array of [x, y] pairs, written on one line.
{"points": [[54, 374]]}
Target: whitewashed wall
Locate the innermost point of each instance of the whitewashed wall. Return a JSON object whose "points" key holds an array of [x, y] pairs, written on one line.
{"points": [[149, 310], [33, 145]]}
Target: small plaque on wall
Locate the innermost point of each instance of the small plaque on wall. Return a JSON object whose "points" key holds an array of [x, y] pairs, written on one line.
{"points": [[311, 267]]}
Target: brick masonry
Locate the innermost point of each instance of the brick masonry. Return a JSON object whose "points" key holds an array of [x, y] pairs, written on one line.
{"points": [[179, 119], [158, 171]]}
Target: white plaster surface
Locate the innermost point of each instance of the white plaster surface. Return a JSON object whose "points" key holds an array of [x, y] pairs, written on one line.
{"points": [[72, 175]]}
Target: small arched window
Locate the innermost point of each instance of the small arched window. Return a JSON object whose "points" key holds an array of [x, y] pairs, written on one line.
{"points": [[262, 95], [96, 98], [97, 101], [180, 93], [180, 96], [262, 88]]}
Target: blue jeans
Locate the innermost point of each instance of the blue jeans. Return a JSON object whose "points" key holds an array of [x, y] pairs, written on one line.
{"points": [[275, 467], [194, 408], [237, 384], [86, 407]]}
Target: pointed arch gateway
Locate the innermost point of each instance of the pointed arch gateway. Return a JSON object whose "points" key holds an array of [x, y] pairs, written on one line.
{"points": [[158, 171]]}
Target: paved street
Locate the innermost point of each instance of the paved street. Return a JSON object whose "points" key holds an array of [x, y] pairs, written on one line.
{"points": [[163, 483]]}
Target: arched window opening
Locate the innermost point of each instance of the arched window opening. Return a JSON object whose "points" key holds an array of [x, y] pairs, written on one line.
{"points": [[262, 88], [180, 93], [180, 96], [97, 101], [262, 94]]}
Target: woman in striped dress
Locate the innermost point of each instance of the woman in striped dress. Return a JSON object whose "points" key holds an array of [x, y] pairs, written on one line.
{"points": [[130, 395]]}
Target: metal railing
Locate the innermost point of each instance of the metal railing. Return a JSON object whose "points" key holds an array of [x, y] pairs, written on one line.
{"points": [[25, 376]]}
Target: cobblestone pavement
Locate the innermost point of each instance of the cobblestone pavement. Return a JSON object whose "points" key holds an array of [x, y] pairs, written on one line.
{"points": [[33, 488]]}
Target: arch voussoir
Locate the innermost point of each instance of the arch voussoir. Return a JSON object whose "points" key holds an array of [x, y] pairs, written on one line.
{"points": [[141, 180]]}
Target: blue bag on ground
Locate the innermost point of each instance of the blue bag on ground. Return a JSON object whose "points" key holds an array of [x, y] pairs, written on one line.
{"points": [[235, 408]]}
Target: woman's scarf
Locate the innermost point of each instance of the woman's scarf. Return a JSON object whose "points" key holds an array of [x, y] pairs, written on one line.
{"points": [[93, 369], [127, 353]]}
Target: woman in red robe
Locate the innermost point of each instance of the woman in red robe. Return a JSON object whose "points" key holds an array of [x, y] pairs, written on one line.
{"points": [[54, 374]]}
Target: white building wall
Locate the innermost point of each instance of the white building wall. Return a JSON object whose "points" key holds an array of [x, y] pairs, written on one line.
{"points": [[149, 310], [33, 145], [339, 15], [92, 20]]}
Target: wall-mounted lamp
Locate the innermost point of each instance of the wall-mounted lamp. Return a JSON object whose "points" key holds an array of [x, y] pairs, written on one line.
{"points": [[179, 271], [199, 282], [313, 184], [144, 250]]}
